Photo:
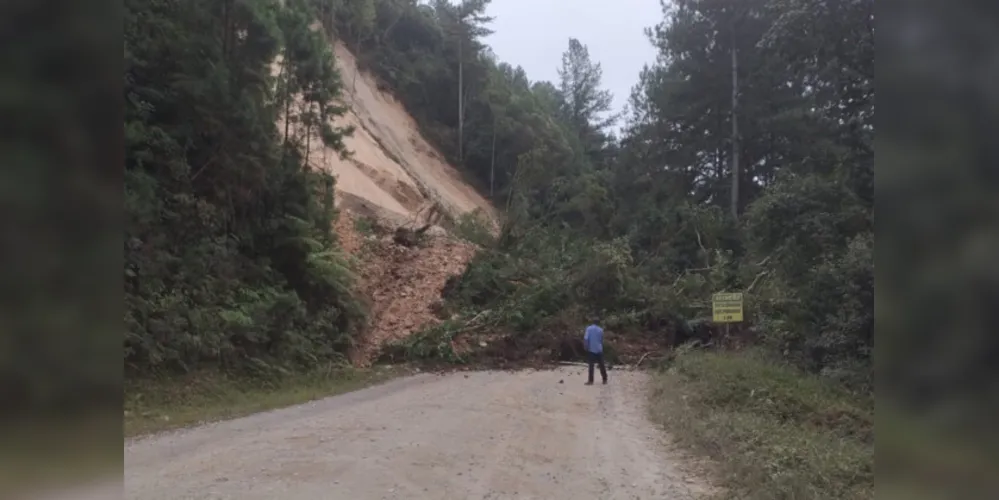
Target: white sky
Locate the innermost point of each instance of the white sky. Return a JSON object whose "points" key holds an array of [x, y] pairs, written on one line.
{"points": [[534, 34]]}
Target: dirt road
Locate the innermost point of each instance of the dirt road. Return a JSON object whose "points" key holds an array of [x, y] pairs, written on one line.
{"points": [[530, 434]]}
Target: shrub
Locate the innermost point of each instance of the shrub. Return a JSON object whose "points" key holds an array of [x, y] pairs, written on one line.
{"points": [[475, 227]]}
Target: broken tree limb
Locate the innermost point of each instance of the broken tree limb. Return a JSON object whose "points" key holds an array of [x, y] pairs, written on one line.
{"points": [[639, 363], [756, 280], [707, 255], [484, 312]]}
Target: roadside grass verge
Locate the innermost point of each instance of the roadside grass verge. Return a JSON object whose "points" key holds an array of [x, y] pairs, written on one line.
{"points": [[774, 432], [159, 404]]}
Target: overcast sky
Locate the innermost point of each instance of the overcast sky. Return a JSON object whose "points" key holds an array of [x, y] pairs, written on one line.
{"points": [[534, 34]]}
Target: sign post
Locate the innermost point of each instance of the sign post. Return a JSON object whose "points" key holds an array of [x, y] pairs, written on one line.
{"points": [[726, 308]]}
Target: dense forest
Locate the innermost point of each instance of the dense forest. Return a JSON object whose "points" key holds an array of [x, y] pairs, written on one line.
{"points": [[230, 261], [744, 162]]}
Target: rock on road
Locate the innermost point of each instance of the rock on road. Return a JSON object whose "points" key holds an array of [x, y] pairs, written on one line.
{"points": [[529, 434]]}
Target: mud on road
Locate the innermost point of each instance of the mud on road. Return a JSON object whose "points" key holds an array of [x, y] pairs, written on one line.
{"points": [[529, 434]]}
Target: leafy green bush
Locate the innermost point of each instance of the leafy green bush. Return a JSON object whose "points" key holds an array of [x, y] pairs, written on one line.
{"points": [[605, 276], [431, 344], [802, 218], [486, 279], [474, 227]]}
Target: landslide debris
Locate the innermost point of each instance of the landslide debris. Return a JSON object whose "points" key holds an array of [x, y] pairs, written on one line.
{"points": [[401, 282]]}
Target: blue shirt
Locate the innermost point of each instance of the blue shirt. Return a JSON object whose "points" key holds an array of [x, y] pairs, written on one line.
{"points": [[593, 339]]}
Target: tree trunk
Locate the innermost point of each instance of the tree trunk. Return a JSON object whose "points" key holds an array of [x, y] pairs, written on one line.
{"points": [[461, 104], [287, 95], [492, 163], [287, 118], [308, 136], [226, 28], [735, 130], [388, 30], [513, 187]]}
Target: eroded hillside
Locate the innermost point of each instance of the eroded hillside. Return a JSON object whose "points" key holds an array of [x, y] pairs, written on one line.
{"points": [[393, 177], [392, 169]]}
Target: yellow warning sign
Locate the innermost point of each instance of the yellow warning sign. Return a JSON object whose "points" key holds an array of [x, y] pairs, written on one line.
{"points": [[726, 307]]}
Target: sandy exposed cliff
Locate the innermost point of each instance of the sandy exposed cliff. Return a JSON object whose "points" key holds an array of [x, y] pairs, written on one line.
{"points": [[393, 169], [395, 176]]}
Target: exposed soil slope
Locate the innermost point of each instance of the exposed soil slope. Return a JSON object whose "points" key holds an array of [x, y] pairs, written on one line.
{"points": [[525, 434], [393, 167], [395, 177]]}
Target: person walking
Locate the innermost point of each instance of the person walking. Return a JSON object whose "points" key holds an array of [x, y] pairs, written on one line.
{"points": [[593, 341]]}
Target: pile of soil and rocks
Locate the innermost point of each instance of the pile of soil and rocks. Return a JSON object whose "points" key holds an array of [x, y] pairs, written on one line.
{"points": [[401, 282]]}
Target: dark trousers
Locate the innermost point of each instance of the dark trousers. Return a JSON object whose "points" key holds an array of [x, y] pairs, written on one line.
{"points": [[597, 358]]}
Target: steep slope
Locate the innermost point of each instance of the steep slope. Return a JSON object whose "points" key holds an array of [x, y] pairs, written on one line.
{"points": [[393, 168], [394, 177]]}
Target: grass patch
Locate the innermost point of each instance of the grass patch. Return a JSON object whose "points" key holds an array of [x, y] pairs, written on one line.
{"points": [[774, 431], [153, 405]]}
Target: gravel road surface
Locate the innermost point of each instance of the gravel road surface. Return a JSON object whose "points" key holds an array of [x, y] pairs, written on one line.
{"points": [[496, 435]]}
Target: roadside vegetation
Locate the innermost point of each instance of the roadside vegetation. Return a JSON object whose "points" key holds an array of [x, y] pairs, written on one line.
{"points": [[773, 431], [230, 260]]}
